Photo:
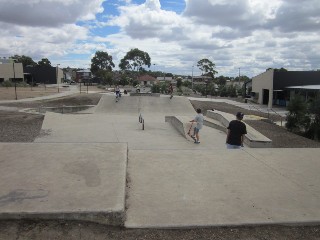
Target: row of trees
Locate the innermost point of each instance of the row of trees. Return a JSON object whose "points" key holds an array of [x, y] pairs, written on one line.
{"points": [[135, 62], [28, 61]]}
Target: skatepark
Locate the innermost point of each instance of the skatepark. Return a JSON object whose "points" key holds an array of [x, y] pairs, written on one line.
{"points": [[104, 165]]}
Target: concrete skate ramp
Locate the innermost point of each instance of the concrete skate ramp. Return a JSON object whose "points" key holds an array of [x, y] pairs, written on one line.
{"points": [[146, 105], [69, 181]]}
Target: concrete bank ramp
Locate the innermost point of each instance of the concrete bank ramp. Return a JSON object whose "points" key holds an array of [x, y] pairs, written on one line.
{"points": [[253, 138], [63, 181], [182, 124], [147, 105]]}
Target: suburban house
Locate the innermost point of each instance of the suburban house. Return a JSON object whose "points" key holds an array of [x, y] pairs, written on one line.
{"points": [[278, 87], [146, 80], [201, 79], [164, 79], [234, 83], [10, 70], [43, 74], [83, 75]]}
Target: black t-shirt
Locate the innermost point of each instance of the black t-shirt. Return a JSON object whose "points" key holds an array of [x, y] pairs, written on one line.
{"points": [[237, 129]]}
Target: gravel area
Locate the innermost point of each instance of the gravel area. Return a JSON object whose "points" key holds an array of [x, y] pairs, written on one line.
{"points": [[58, 230], [24, 127], [19, 127]]}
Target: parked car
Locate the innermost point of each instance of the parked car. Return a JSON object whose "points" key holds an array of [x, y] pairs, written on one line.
{"points": [[141, 89]]}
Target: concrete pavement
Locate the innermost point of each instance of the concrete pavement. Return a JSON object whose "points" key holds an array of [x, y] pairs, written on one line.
{"points": [[171, 182], [172, 189]]}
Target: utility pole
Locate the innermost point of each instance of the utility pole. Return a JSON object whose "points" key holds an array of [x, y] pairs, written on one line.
{"points": [[192, 78], [58, 76]]}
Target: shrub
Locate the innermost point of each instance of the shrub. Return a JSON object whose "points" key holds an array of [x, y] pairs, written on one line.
{"points": [[7, 84], [298, 119]]}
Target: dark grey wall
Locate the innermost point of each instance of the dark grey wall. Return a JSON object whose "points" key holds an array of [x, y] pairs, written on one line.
{"points": [[43, 74], [295, 78]]}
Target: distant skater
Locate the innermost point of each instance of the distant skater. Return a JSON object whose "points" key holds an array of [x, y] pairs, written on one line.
{"points": [[236, 131], [170, 90], [199, 120], [117, 91]]}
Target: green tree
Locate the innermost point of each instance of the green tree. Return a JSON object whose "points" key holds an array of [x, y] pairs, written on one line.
{"points": [[314, 129], [44, 62], [187, 84], [222, 91], [231, 91], [298, 119], [101, 61], [25, 60], [207, 67], [134, 60], [221, 80], [105, 76], [278, 69], [124, 80], [179, 82], [155, 88]]}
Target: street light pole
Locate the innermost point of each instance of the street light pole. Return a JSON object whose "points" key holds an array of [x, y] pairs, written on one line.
{"points": [[14, 79], [57, 72], [192, 78]]}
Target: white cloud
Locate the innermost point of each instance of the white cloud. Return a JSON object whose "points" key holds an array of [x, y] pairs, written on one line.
{"points": [[48, 12], [249, 34]]}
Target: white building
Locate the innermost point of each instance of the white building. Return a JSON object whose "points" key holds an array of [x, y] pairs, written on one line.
{"points": [[10, 70]]}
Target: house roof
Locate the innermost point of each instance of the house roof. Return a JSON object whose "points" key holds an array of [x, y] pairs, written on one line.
{"points": [[146, 77], [164, 78], [84, 71]]}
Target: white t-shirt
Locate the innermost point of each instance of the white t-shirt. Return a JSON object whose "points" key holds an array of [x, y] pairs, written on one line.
{"points": [[199, 119]]}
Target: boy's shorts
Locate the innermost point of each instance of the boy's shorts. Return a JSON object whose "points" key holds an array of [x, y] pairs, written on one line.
{"points": [[196, 130]]}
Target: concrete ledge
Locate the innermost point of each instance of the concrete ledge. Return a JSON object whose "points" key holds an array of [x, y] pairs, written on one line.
{"points": [[253, 138], [72, 181], [209, 122]]}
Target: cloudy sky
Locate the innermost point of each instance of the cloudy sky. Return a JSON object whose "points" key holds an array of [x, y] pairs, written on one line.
{"points": [[252, 35]]}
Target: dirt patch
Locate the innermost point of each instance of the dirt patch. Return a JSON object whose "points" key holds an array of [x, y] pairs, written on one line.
{"points": [[71, 230], [11, 93], [73, 100]]}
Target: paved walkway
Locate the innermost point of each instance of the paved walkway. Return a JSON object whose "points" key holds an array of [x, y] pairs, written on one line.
{"points": [[170, 181]]}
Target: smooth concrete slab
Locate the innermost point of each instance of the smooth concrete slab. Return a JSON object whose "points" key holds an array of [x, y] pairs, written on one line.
{"points": [[300, 165], [220, 188], [124, 129], [63, 181], [134, 105]]}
